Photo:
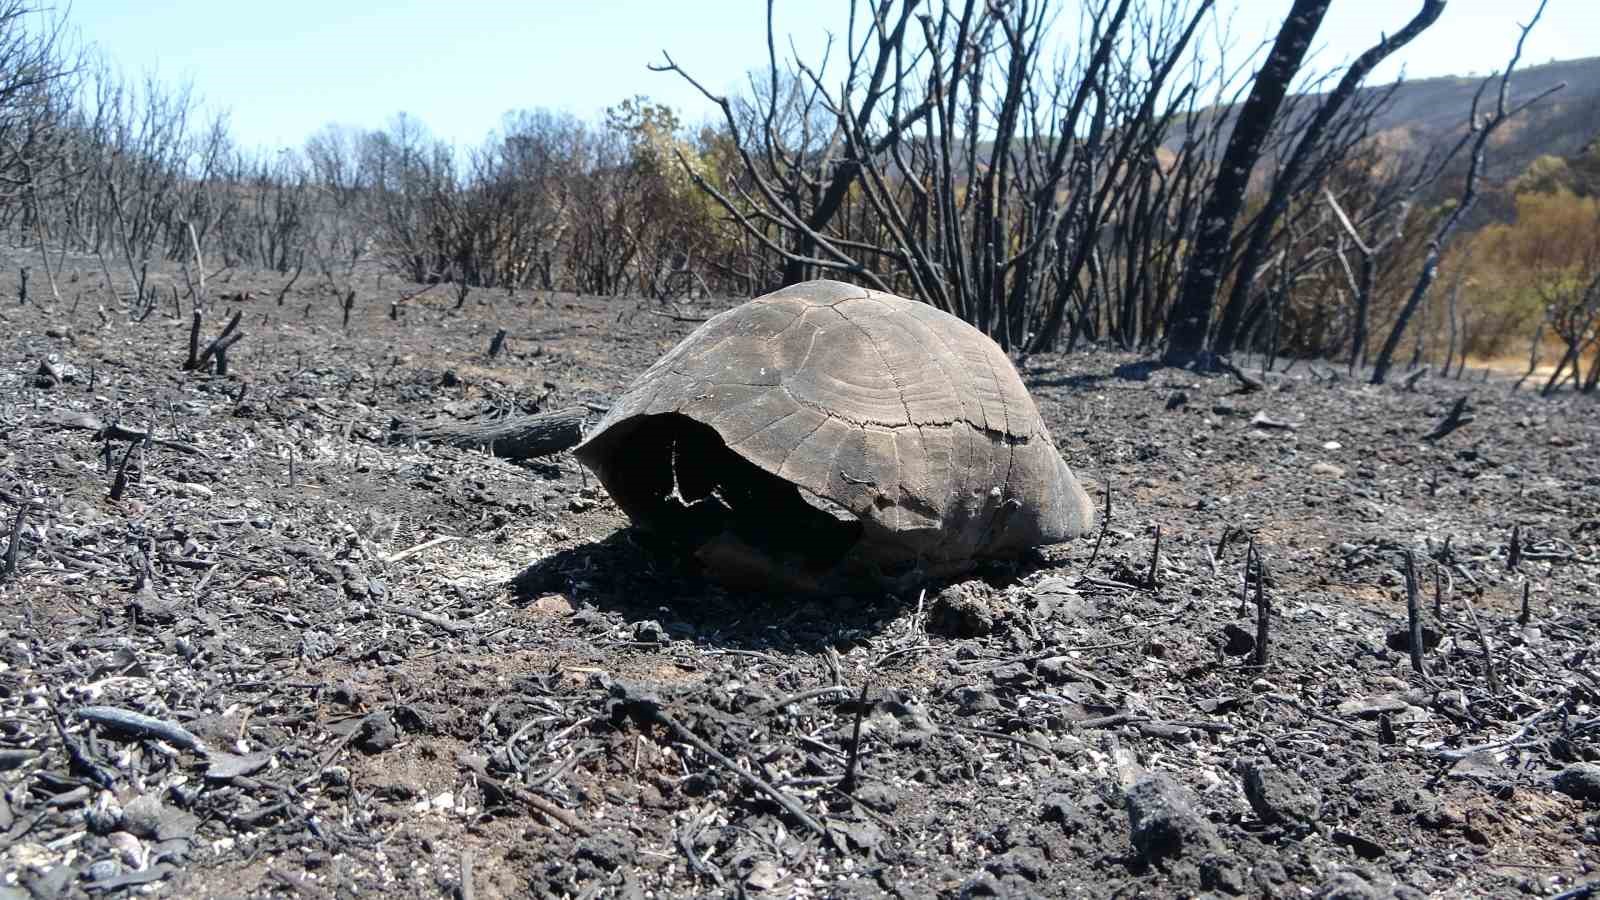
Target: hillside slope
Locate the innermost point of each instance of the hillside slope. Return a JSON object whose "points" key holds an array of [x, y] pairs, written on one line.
{"points": [[1430, 112]]}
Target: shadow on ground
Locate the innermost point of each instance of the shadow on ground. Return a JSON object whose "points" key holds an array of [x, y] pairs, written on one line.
{"points": [[641, 579], [1049, 377]]}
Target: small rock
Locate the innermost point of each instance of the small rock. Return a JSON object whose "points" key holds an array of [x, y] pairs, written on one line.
{"points": [[1011, 674], [1279, 797], [605, 852], [104, 870], [1349, 885], [1177, 399], [1224, 872], [1359, 844], [764, 876], [1372, 707], [553, 605], [142, 815], [864, 836], [878, 795], [377, 733], [194, 489], [1025, 862], [981, 884], [900, 721], [130, 850], [1262, 420], [1332, 445], [1162, 821], [1580, 781], [959, 612], [649, 631], [1327, 470], [972, 699], [1057, 669], [1059, 808], [1482, 764]]}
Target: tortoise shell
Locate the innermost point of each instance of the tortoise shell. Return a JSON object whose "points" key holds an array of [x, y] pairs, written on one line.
{"points": [[824, 432]]}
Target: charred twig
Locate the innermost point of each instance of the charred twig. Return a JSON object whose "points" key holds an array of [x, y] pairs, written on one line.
{"points": [[1489, 673], [1525, 615], [299, 267], [435, 620], [143, 726], [685, 840], [118, 432], [650, 712], [413, 551], [1153, 579], [1524, 729], [533, 801], [497, 343], [1261, 656], [1244, 575], [801, 697], [510, 437], [15, 543], [193, 362], [1414, 615], [1105, 523], [1514, 550], [220, 343], [119, 484], [1460, 414], [465, 890], [1222, 543], [677, 317], [847, 784], [1247, 384]]}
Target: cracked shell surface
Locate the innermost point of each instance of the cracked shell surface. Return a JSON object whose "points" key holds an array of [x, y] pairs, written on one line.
{"points": [[910, 419]]}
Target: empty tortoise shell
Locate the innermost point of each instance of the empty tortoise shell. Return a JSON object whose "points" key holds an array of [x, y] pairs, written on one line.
{"points": [[825, 434]]}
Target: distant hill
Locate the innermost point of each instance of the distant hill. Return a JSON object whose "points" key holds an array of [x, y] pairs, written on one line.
{"points": [[1430, 112]]}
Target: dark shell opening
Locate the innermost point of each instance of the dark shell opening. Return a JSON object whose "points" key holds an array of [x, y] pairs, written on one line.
{"points": [[676, 477]]}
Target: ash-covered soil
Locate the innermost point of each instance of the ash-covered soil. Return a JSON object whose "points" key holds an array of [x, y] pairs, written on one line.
{"points": [[370, 667]]}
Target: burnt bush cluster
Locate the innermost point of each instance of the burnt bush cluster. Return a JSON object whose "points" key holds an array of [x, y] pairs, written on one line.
{"points": [[1128, 187]]}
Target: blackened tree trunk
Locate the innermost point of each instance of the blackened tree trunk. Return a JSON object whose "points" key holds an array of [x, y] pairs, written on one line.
{"points": [[1358, 340], [1305, 152], [1191, 315]]}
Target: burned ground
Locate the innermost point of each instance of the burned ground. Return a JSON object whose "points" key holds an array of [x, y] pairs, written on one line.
{"points": [[372, 666]]}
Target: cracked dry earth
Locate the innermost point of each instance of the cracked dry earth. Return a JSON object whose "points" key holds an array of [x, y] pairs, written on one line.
{"points": [[292, 658]]}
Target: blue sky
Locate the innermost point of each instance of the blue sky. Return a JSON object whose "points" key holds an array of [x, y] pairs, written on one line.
{"points": [[285, 68]]}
